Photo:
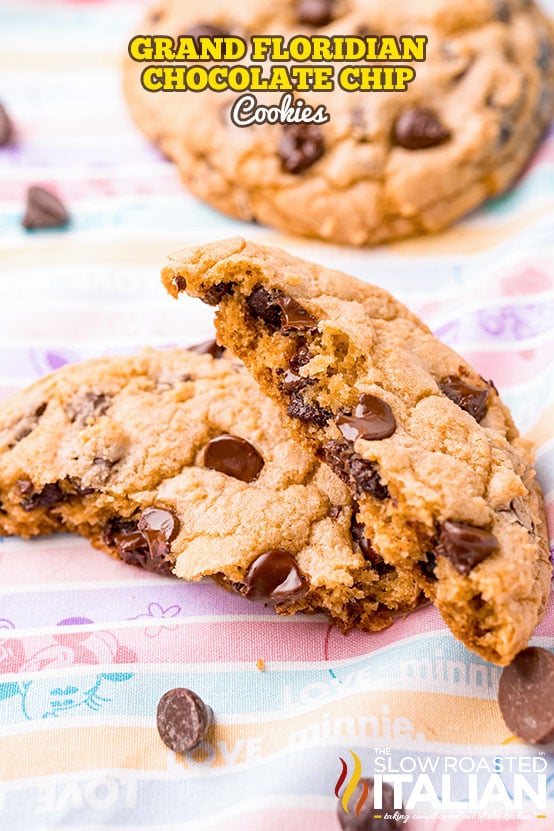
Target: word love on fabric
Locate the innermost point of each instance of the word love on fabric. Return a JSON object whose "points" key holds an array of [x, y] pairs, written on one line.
{"points": [[301, 64]]}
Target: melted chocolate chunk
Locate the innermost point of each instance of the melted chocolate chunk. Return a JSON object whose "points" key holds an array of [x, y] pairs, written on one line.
{"points": [[300, 147], [208, 347], [182, 719], [44, 210], [180, 283], [87, 405], [464, 545], [294, 316], [417, 129], [207, 30], [50, 495], [312, 413], [315, 12], [471, 399], [358, 473], [525, 695], [234, 457], [6, 128], [274, 577], [263, 304], [363, 816], [372, 420], [214, 294]]}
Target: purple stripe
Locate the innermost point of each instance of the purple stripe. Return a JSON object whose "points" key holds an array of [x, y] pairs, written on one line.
{"points": [[163, 604], [500, 323]]}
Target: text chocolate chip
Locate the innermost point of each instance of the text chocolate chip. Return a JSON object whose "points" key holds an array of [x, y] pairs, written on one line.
{"points": [[233, 456], [44, 210], [526, 695], [360, 814], [372, 419], [417, 129], [464, 545], [182, 719], [274, 577], [471, 399], [300, 147]]}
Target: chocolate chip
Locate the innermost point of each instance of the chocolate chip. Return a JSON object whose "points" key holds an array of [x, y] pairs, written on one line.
{"points": [[502, 12], [294, 317], [205, 30], [214, 294], [301, 357], [27, 424], [274, 577], [363, 816], [312, 413], [464, 545], [159, 527], [372, 420], [358, 473], [208, 347], [300, 147], [44, 210], [87, 405], [233, 456], [24, 486], [428, 566], [6, 128], [263, 304], [417, 129], [145, 547], [357, 529], [315, 12], [291, 382], [180, 283], [182, 719], [505, 132], [471, 399], [50, 495], [525, 695], [544, 54]]}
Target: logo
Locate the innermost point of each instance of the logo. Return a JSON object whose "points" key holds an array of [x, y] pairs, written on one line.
{"points": [[352, 784]]}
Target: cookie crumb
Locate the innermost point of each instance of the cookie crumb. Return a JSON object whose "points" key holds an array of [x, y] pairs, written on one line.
{"points": [[260, 664]]}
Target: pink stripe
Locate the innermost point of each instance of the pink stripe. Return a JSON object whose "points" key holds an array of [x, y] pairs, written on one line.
{"points": [[509, 368], [279, 819]]}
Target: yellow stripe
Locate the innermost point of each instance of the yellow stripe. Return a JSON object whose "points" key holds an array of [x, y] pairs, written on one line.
{"points": [[382, 715]]}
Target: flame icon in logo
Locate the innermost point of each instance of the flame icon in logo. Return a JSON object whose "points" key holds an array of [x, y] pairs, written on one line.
{"points": [[352, 784]]}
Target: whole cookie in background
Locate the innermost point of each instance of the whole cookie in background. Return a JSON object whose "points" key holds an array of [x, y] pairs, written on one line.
{"points": [[174, 461], [388, 164]]}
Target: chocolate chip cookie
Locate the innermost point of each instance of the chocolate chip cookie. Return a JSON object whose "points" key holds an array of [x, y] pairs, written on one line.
{"points": [[174, 461], [387, 164], [445, 486]]}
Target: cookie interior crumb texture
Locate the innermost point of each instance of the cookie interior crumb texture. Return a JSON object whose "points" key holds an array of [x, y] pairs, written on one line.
{"points": [[174, 461], [387, 164], [445, 486]]}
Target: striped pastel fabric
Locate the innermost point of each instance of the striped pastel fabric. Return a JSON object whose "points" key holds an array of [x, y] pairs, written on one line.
{"points": [[88, 645]]}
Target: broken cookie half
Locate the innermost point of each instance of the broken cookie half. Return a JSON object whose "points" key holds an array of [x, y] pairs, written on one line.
{"points": [[445, 487], [174, 461]]}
